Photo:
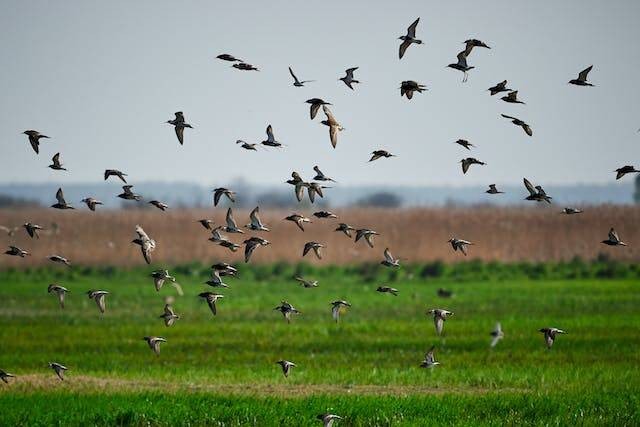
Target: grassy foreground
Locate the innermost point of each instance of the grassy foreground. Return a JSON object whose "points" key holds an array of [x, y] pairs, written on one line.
{"points": [[222, 370]]}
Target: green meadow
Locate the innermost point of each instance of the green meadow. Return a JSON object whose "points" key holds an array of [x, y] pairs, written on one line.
{"points": [[221, 370]]}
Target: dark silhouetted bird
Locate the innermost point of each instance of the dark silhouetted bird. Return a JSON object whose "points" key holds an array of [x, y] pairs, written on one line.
{"points": [[512, 98], [620, 172], [582, 78], [407, 88], [409, 39], [500, 87], [348, 78], [518, 122], [296, 82], [613, 239], [127, 194], [179, 125], [316, 103], [114, 172], [62, 203], [461, 65], [466, 163], [493, 190], [34, 139], [56, 164]]}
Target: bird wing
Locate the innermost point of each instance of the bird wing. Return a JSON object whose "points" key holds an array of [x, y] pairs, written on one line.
{"points": [[583, 74], [270, 137], [350, 71], [335, 312], [411, 31], [100, 302], [155, 344], [387, 256], [317, 249], [60, 197], [294, 76], [527, 129], [141, 233], [212, 305], [495, 340], [180, 134], [216, 197], [330, 118], [508, 117], [369, 239], [248, 250], [403, 48], [158, 282], [314, 110], [230, 221], [56, 159], [465, 166], [253, 216], [529, 187], [462, 58], [439, 322], [35, 144], [613, 236], [299, 190], [61, 294]]}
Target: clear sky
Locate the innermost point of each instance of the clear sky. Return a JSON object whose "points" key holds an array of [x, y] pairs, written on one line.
{"points": [[100, 78]]}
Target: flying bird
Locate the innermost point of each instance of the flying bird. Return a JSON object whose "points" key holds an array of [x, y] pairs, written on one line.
{"points": [[34, 139], [159, 205], [287, 310], [154, 343], [461, 65], [536, 193], [251, 244], [429, 360], [496, 334], [299, 220], [387, 290], [500, 87], [99, 298], [345, 228], [493, 190], [114, 172], [60, 291], [255, 223], [216, 280], [516, 121], [314, 188], [582, 78], [571, 211], [271, 141], [16, 251], [147, 244], [221, 191], [227, 57], [161, 276], [550, 335], [334, 126], [367, 233], [245, 67], [58, 369], [337, 307], [407, 88], [286, 366], [62, 203], [348, 78], [464, 143], [459, 244], [56, 164], [32, 229], [247, 146], [321, 176], [377, 154], [325, 214], [512, 98], [59, 259], [211, 299], [471, 43], [409, 39], [389, 260], [466, 163], [620, 172], [127, 194], [613, 239], [179, 125], [307, 283], [298, 184], [315, 246], [206, 223], [296, 82], [439, 317], [232, 226], [91, 203], [315, 103]]}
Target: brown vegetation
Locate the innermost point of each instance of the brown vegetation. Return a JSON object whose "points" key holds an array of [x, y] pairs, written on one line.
{"points": [[536, 233]]}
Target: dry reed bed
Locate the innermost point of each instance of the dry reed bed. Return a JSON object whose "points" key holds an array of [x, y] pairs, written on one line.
{"points": [[536, 233]]}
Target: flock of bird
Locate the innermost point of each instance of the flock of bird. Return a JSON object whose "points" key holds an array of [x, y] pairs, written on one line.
{"points": [[313, 187]]}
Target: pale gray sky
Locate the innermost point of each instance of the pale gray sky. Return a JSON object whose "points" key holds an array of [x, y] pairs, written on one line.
{"points": [[101, 78]]}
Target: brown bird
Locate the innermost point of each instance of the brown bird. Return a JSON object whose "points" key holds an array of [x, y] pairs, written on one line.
{"points": [[147, 244], [91, 203], [271, 140], [550, 335], [34, 139], [345, 228], [227, 57], [315, 246], [211, 299], [58, 369], [493, 190], [459, 244], [439, 317], [368, 235], [251, 244], [287, 310], [169, 315], [471, 43], [4, 376], [387, 290], [298, 220], [613, 239], [16, 251], [245, 67], [98, 297], [334, 126], [62, 203], [286, 366], [325, 214], [32, 229], [206, 223], [512, 98], [127, 194], [59, 259], [154, 343]]}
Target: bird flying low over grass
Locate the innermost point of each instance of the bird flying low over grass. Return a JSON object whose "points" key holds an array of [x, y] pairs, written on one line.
{"points": [[550, 335], [147, 244], [387, 290], [154, 343], [337, 307], [286, 367], [287, 310], [429, 360], [496, 335], [439, 317]]}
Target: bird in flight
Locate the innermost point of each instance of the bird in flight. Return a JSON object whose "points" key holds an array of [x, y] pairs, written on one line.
{"points": [[367, 233], [296, 82], [461, 65], [154, 343], [221, 191], [287, 310], [315, 246], [620, 172], [389, 260], [334, 126], [251, 244], [345, 228], [466, 163], [34, 139], [211, 299], [409, 39], [536, 193], [315, 104], [512, 98], [348, 78], [298, 219], [158, 204], [439, 317], [516, 121], [127, 194], [571, 211], [245, 67], [429, 360], [582, 77], [16, 251], [496, 334], [56, 164], [307, 283], [91, 203], [387, 290], [613, 239], [337, 307], [321, 176], [464, 143], [114, 172], [407, 88], [62, 203], [99, 298], [493, 190], [499, 87], [32, 229], [161, 276], [60, 291], [247, 146], [147, 244], [255, 223], [179, 125], [169, 315], [286, 367], [271, 141], [4, 376], [550, 335], [328, 419], [377, 154], [58, 369], [459, 244], [227, 57]]}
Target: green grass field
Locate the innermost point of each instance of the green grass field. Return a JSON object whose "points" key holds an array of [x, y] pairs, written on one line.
{"points": [[222, 370]]}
